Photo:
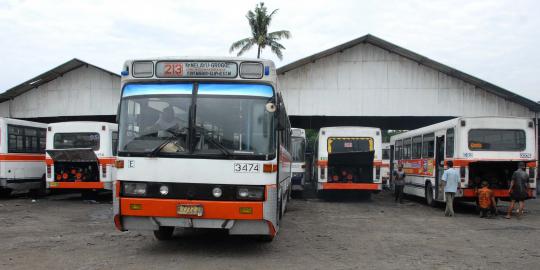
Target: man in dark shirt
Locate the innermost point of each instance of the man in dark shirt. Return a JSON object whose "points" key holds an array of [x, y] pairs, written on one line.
{"points": [[399, 183], [518, 190]]}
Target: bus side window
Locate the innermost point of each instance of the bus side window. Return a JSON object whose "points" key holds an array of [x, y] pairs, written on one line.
{"points": [[417, 147], [450, 142], [42, 140], [407, 148], [114, 142], [398, 152], [428, 150]]}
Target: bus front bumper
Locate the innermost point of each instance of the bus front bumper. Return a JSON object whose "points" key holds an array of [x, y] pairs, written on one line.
{"points": [[80, 185], [350, 186], [239, 217]]}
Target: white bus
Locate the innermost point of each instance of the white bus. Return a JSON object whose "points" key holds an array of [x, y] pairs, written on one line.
{"points": [[81, 155], [482, 148], [348, 158], [203, 143], [298, 151], [385, 166], [22, 152]]}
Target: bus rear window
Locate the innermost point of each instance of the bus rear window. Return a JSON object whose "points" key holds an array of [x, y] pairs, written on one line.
{"points": [[344, 145], [496, 140], [76, 140]]}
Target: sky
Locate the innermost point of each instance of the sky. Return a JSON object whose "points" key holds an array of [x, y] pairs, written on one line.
{"points": [[494, 40]]}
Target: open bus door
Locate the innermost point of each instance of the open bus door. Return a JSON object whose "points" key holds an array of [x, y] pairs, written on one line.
{"points": [[439, 167], [391, 169]]}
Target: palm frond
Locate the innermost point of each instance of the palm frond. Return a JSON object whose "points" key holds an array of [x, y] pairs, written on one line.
{"points": [[240, 44], [277, 35], [245, 48]]}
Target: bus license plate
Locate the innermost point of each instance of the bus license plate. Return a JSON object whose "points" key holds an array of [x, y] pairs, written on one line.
{"points": [[190, 210], [247, 167]]}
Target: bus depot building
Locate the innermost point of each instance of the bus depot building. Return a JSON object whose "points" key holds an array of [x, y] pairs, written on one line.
{"points": [[364, 82]]}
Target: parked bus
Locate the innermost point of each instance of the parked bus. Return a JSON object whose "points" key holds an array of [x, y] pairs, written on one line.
{"points": [[203, 143], [22, 152], [385, 166], [348, 158], [298, 152], [482, 148], [81, 156]]}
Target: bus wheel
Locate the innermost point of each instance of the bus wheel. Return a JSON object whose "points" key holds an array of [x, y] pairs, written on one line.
{"points": [[40, 191], [428, 193], [321, 195], [265, 238], [164, 233], [5, 192]]}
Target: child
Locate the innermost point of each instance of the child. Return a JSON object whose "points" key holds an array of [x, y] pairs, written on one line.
{"points": [[486, 200]]}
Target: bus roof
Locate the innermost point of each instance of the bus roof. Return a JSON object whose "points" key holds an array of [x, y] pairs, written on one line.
{"points": [[13, 121], [447, 124], [83, 126]]}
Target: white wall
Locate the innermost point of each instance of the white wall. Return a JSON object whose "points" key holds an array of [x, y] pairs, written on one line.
{"points": [[366, 80], [83, 91]]}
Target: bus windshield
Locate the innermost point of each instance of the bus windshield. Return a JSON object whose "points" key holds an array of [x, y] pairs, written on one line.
{"points": [[76, 140], [223, 119], [344, 145], [496, 140], [298, 149]]}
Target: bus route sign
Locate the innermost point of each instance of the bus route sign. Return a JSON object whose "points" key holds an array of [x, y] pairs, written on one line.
{"points": [[199, 69]]}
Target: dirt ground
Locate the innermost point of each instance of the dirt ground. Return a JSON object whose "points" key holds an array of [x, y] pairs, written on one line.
{"points": [[63, 232]]}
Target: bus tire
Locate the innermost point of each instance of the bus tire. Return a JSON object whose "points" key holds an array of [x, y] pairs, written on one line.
{"points": [[5, 192], [321, 195], [41, 191], [164, 233], [265, 238], [428, 193]]}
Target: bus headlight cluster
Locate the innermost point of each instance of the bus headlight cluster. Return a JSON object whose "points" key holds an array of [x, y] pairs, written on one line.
{"points": [[164, 190], [250, 193], [135, 189], [217, 192]]}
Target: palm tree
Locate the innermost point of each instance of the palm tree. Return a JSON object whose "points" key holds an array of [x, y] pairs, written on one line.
{"points": [[259, 20]]}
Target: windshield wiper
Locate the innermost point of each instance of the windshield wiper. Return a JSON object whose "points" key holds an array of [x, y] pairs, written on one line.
{"points": [[211, 139], [176, 136]]}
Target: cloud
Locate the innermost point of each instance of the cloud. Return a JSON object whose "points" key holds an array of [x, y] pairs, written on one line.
{"points": [[493, 40]]}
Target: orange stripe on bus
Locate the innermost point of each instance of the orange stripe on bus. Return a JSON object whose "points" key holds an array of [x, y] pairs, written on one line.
{"points": [[498, 193], [22, 157], [152, 207], [77, 185], [351, 186]]}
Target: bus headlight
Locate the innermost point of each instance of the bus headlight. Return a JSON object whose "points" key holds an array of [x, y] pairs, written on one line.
{"points": [[250, 193], [164, 190], [217, 192], [135, 189]]}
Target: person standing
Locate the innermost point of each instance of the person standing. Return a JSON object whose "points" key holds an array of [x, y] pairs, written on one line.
{"points": [[399, 183], [451, 181], [519, 187]]}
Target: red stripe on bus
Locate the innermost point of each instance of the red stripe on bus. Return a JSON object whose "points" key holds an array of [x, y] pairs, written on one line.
{"points": [[151, 207], [77, 185], [22, 157], [105, 161], [498, 193], [351, 186]]}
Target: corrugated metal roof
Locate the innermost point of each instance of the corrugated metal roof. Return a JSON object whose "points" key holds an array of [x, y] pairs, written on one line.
{"points": [[47, 77], [421, 60]]}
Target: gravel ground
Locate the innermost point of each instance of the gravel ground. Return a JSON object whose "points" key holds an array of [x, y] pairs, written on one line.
{"points": [[64, 232]]}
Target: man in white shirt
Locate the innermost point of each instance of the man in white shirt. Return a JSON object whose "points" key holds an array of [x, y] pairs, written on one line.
{"points": [[451, 181]]}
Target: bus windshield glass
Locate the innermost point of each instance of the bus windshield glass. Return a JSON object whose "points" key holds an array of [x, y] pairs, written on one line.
{"points": [[298, 149], [344, 145], [496, 140], [76, 140], [227, 119]]}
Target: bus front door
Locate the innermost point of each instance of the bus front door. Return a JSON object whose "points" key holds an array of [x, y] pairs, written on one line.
{"points": [[439, 168]]}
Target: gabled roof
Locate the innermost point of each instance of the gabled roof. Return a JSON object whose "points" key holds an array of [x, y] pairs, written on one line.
{"points": [[373, 40], [47, 77]]}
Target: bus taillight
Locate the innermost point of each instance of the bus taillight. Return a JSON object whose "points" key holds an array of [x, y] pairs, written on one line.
{"points": [[48, 171], [104, 170]]}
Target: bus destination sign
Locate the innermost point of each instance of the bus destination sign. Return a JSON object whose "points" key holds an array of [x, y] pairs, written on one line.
{"points": [[190, 69]]}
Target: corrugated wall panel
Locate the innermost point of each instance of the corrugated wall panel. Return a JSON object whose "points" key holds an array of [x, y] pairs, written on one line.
{"points": [[368, 81], [83, 91]]}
